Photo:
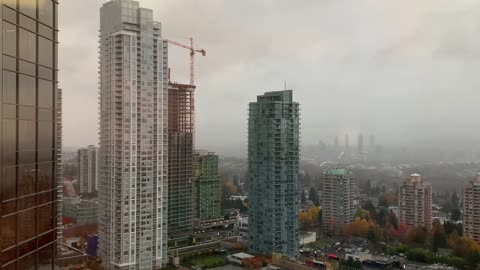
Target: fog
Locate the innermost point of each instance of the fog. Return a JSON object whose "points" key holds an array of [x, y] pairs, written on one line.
{"points": [[405, 71]]}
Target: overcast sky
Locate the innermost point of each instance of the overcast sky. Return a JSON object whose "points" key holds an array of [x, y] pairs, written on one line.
{"points": [[404, 70]]}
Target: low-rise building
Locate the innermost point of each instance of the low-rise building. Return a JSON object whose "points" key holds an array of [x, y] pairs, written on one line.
{"points": [[80, 211]]}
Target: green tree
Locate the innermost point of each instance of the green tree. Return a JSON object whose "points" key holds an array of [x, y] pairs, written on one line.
{"points": [[456, 214], [313, 196]]}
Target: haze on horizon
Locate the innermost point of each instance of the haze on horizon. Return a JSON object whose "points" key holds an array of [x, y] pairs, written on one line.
{"points": [[405, 71]]}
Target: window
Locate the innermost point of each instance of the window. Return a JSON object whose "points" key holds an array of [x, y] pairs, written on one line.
{"points": [[27, 68], [27, 45], [9, 231], [9, 63], [9, 183], [26, 113], [9, 15], [45, 135], [9, 86], [45, 94], [45, 218], [45, 12], [28, 262], [45, 258], [45, 115], [26, 180], [46, 47], [26, 135], [26, 90], [9, 141], [27, 219], [28, 7], [10, 3], [28, 23], [45, 176], [9, 39]]}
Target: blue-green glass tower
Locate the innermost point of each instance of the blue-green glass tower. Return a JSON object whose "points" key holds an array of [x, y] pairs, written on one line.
{"points": [[273, 160]]}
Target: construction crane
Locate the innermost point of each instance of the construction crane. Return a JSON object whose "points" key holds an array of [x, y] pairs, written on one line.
{"points": [[192, 56]]}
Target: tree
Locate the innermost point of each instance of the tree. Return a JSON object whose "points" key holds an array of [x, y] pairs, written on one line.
{"points": [[456, 214], [417, 235], [313, 196], [368, 205], [392, 219], [382, 201]]}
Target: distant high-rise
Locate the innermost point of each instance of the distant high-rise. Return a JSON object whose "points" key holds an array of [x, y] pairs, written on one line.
{"points": [[273, 162], [181, 126], [88, 169], [471, 209], [360, 144], [207, 187], [336, 144], [347, 142], [337, 199], [372, 140], [415, 202], [132, 186], [28, 134]]}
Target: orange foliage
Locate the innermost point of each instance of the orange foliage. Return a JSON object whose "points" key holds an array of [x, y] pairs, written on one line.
{"points": [[359, 227], [230, 187], [256, 262], [310, 216]]}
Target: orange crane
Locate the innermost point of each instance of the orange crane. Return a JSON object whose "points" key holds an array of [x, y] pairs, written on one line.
{"points": [[192, 56]]}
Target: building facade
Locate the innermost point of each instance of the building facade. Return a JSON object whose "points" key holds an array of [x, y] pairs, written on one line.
{"points": [[471, 209], [132, 187], [207, 187], [87, 169], [273, 162], [28, 134], [82, 212], [181, 125], [338, 196], [415, 202]]}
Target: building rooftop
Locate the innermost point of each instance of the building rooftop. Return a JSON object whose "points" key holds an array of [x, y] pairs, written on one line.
{"points": [[337, 171]]}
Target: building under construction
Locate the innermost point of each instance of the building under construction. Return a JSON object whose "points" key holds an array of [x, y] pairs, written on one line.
{"points": [[181, 124]]}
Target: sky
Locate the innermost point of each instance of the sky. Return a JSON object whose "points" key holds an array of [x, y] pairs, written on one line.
{"points": [[403, 70]]}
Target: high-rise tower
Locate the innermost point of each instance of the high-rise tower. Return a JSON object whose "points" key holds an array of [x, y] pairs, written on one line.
{"points": [[360, 144], [88, 169], [207, 187], [471, 209], [273, 162], [181, 126], [337, 199], [415, 202], [133, 152], [28, 134]]}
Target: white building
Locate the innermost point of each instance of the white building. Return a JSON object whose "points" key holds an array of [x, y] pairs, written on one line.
{"points": [[88, 169], [133, 138]]}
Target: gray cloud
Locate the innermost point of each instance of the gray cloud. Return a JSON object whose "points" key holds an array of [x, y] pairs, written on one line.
{"points": [[404, 70]]}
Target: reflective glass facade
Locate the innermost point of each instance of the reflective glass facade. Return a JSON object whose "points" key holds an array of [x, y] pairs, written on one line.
{"points": [[28, 111], [273, 160]]}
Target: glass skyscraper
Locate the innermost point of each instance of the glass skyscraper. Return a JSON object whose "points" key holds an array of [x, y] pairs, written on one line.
{"points": [[133, 152], [273, 161], [28, 134]]}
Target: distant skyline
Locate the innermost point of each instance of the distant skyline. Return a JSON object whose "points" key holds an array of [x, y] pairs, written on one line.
{"points": [[405, 71]]}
